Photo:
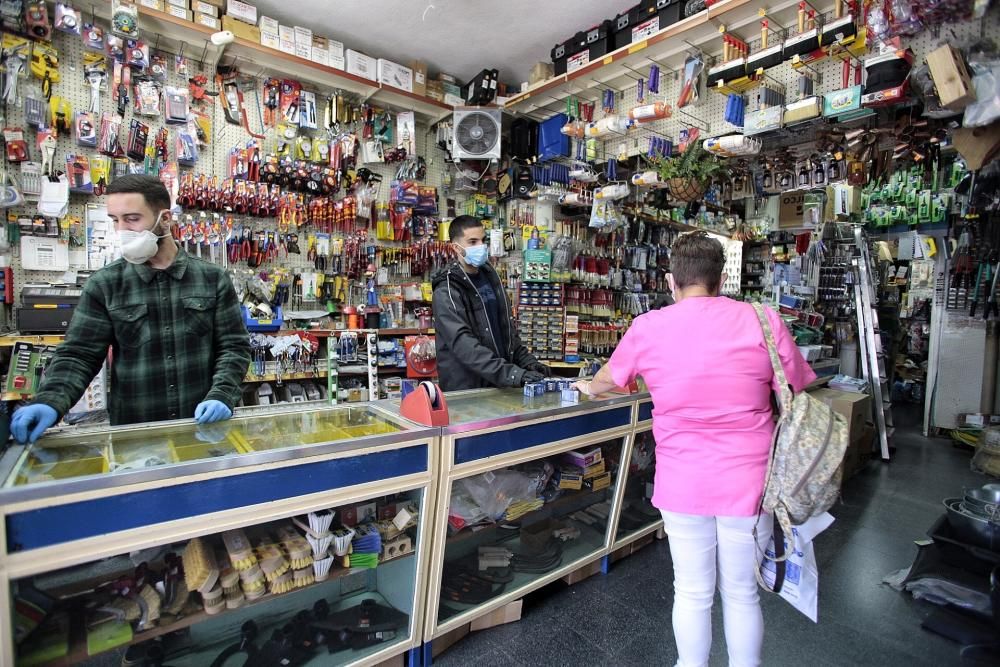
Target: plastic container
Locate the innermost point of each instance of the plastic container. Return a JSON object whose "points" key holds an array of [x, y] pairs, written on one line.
{"points": [[353, 319]]}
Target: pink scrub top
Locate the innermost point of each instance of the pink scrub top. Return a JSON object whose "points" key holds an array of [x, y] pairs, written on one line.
{"points": [[707, 368]]}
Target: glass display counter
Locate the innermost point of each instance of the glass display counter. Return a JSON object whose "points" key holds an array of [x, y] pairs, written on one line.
{"points": [[187, 542], [527, 492]]}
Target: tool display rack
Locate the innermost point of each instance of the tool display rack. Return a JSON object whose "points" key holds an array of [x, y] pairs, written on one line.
{"points": [[493, 429], [74, 521], [171, 36]]}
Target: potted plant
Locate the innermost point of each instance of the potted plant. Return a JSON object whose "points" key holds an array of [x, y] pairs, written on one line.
{"points": [[689, 173]]}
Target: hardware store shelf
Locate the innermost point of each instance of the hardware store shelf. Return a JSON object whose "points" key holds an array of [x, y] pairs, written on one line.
{"points": [[257, 59], [78, 640], [668, 48], [11, 341]]}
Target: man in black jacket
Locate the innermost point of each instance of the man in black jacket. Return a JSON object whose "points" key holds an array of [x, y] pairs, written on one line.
{"points": [[477, 343]]}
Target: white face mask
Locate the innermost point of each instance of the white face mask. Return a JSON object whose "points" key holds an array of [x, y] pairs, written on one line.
{"points": [[139, 247]]}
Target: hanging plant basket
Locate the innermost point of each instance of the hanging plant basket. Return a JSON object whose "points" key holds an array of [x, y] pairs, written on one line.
{"points": [[687, 189]]}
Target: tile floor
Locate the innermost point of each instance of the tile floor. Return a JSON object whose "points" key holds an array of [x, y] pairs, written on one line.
{"points": [[623, 618]]}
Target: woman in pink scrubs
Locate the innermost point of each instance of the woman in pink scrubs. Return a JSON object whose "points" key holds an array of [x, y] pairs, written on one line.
{"points": [[706, 365]]}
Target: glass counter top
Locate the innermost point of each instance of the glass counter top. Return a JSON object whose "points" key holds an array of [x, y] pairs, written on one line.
{"points": [[479, 408], [102, 451]]}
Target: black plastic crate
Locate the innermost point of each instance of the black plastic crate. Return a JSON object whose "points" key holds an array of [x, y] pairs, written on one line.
{"points": [[655, 15], [564, 50], [622, 25], [599, 40]]}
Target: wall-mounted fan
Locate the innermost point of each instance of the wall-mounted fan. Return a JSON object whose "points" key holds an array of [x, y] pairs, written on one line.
{"points": [[476, 134]]}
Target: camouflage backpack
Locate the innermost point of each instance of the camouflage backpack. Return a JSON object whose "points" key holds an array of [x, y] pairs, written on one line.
{"points": [[803, 472]]}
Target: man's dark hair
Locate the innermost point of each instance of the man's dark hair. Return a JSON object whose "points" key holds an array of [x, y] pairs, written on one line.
{"points": [[697, 259], [150, 187], [456, 230]]}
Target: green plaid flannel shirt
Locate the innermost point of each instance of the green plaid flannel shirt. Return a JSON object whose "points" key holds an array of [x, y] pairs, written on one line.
{"points": [[177, 338]]}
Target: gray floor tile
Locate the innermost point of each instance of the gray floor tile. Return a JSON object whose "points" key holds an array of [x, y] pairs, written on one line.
{"points": [[623, 618]]}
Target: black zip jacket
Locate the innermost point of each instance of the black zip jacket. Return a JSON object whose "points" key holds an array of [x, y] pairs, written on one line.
{"points": [[468, 354]]}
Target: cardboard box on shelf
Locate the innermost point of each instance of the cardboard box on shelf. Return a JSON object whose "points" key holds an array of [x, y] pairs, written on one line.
{"points": [[320, 51], [541, 72], [855, 408], [335, 53], [270, 39], [286, 39], [395, 75], [207, 8], [243, 30], [183, 4], [361, 65], [419, 77], [153, 4], [215, 3], [243, 11], [509, 613], [268, 24], [208, 21], [179, 12]]}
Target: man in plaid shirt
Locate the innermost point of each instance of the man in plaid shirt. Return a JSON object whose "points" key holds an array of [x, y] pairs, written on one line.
{"points": [[174, 325]]}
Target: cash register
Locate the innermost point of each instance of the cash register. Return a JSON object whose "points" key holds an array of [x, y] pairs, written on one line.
{"points": [[47, 308]]}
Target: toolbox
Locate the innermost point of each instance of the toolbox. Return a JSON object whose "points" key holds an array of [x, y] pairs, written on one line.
{"points": [[584, 47], [622, 24], [47, 309], [652, 16]]}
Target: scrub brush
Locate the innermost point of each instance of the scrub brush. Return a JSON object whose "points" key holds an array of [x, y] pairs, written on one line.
{"points": [[240, 552], [319, 545], [214, 601], [303, 577], [298, 550], [229, 579], [283, 584], [252, 582], [272, 561], [321, 568], [318, 523], [342, 541], [200, 570]]}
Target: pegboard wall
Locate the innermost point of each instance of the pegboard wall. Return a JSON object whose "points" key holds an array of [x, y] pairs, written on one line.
{"points": [[212, 160], [708, 113]]}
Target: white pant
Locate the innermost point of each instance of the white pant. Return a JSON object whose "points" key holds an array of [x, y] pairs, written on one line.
{"points": [[696, 544]]}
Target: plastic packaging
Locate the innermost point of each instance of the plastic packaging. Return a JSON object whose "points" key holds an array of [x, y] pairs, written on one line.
{"points": [[608, 125], [494, 491], [649, 112], [986, 108]]}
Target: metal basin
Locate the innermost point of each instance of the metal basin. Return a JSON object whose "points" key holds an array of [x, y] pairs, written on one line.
{"points": [[974, 529]]}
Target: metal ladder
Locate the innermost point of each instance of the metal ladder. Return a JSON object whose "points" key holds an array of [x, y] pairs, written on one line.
{"points": [[872, 355]]}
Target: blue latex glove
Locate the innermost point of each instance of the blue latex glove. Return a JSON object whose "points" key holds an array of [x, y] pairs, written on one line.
{"points": [[31, 421], [211, 411]]}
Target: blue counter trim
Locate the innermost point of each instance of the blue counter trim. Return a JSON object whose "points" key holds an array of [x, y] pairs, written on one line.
{"points": [[48, 526], [476, 447], [645, 411]]}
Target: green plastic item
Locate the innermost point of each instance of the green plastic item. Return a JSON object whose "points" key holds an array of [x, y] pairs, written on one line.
{"points": [[49, 642], [107, 636]]}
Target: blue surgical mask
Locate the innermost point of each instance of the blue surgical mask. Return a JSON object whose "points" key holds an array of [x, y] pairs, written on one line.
{"points": [[477, 255]]}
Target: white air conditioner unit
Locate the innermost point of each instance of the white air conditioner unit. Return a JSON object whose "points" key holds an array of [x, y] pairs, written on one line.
{"points": [[476, 134]]}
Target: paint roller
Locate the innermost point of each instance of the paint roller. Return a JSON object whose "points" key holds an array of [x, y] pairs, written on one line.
{"points": [[842, 29], [807, 39], [767, 56], [733, 65]]}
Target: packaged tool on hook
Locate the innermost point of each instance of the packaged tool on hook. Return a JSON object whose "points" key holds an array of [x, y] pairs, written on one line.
{"points": [[93, 37], [36, 17], [138, 135], [124, 18], [85, 129], [68, 20]]}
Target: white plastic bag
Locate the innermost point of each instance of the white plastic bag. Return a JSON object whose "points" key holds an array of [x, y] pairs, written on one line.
{"points": [[801, 585], [986, 108]]}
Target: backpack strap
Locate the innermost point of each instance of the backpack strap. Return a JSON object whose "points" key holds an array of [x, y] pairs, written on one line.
{"points": [[785, 394]]}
